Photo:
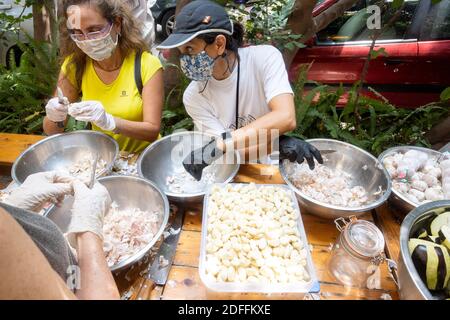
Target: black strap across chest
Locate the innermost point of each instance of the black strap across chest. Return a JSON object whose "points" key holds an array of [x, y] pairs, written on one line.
{"points": [[237, 93], [137, 72]]}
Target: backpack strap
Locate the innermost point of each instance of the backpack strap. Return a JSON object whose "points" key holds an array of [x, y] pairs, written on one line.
{"points": [[137, 71]]}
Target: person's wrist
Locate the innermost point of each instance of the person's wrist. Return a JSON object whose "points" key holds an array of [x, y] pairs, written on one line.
{"points": [[117, 124], [226, 141], [79, 234], [88, 236]]}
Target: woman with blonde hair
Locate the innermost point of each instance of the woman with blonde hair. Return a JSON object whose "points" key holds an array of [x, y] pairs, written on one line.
{"points": [[107, 65]]}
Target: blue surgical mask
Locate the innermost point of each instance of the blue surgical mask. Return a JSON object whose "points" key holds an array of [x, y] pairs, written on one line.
{"points": [[197, 67]]}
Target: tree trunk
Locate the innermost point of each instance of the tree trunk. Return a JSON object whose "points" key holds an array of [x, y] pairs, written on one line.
{"points": [[44, 20], [301, 21], [439, 135], [39, 24]]}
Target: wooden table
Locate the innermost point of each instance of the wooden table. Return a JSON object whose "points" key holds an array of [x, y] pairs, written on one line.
{"points": [[184, 282]]}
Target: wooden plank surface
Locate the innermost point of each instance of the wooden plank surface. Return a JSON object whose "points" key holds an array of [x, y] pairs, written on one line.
{"points": [[12, 145], [390, 222], [184, 281]]}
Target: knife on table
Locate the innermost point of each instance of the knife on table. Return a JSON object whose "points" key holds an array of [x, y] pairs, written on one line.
{"points": [[157, 274], [62, 101]]}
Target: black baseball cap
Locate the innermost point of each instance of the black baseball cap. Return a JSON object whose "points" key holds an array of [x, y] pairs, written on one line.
{"points": [[198, 17]]}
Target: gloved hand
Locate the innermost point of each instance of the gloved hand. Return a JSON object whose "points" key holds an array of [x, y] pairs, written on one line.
{"points": [[295, 149], [56, 111], [200, 158], [93, 111], [88, 210], [39, 188]]}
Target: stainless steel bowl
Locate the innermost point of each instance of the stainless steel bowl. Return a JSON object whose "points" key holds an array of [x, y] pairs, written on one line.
{"points": [[410, 285], [62, 150], [163, 159], [351, 160], [397, 199], [127, 192]]}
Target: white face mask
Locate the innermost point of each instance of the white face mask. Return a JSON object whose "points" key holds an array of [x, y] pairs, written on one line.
{"points": [[98, 49]]}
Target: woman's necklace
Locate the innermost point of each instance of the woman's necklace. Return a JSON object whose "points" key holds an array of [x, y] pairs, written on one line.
{"points": [[108, 70]]}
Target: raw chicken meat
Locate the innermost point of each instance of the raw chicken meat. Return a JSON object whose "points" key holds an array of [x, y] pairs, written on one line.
{"points": [[127, 231]]}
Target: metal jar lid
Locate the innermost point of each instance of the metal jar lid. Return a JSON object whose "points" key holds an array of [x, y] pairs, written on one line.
{"points": [[361, 237]]}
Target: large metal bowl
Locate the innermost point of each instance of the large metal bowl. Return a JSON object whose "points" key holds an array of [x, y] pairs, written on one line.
{"points": [[163, 159], [127, 192], [397, 199], [62, 150], [365, 170], [410, 285]]}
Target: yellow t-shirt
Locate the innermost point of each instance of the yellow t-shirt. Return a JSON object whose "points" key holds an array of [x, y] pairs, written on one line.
{"points": [[121, 98]]}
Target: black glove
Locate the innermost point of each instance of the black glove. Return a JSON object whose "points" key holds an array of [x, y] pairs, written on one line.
{"points": [[200, 158], [295, 149]]}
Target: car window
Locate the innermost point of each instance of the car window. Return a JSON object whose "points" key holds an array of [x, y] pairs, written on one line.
{"points": [[352, 25], [436, 25]]}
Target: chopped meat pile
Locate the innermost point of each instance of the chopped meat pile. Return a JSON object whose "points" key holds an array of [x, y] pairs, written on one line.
{"points": [[127, 231], [331, 186]]}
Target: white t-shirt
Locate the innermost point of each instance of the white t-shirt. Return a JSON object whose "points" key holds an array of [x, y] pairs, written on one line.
{"points": [[263, 76]]}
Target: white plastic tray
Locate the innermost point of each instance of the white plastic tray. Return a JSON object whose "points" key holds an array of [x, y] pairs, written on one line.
{"points": [[312, 286]]}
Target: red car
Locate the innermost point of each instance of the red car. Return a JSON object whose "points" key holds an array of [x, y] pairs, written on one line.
{"points": [[417, 66]]}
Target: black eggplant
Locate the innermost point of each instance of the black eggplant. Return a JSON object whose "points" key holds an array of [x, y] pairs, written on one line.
{"points": [[432, 262]]}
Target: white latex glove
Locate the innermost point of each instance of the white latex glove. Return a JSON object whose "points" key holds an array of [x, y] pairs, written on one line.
{"points": [[40, 188], [88, 210], [93, 111], [56, 111]]}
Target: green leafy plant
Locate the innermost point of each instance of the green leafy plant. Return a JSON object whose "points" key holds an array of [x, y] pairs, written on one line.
{"points": [[174, 115], [24, 88], [265, 22], [381, 125], [10, 24]]}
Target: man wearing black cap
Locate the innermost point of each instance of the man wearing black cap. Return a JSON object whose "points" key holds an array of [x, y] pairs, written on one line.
{"points": [[240, 90]]}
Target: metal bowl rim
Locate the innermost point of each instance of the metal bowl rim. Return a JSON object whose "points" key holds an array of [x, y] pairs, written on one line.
{"points": [[368, 207], [141, 253], [184, 195], [30, 148], [405, 229], [387, 152]]}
